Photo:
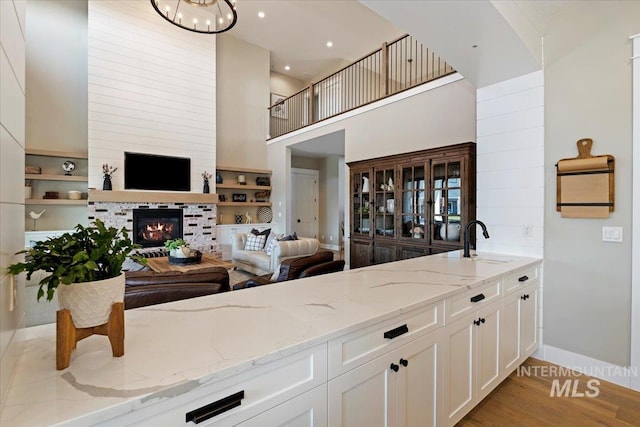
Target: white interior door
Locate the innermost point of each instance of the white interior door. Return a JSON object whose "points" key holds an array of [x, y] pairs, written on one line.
{"points": [[304, 202]]}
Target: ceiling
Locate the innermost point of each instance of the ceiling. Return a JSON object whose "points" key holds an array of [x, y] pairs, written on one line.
{"points": [[296, 33]]}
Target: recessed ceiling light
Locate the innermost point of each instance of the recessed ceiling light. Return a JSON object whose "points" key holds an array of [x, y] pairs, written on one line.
{"points": [[261, 14], [329, 43], [286, 67]]}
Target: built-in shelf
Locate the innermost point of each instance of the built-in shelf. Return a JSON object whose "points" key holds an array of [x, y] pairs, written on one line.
{"points": [[52, 153], [151, 197], [243, 170], [244, 203], [54, 177], [55, 202], [243, 187]]}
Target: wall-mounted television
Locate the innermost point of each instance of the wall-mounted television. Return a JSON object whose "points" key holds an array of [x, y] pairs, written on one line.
{"points": [[154, 172]]}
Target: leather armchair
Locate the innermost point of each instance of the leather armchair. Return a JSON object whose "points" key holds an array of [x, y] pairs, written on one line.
{"points": [[297, 268], [143, 288]]}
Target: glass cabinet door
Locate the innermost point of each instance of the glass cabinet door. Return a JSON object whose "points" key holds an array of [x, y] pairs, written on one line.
{"points": [[361, 190], [385, 202], [413, 213], [446, 193]]}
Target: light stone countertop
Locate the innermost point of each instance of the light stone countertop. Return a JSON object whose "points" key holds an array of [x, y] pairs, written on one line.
{"points": [[176, 347]]}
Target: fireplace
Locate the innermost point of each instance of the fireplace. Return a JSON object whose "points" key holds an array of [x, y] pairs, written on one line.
{"points": [[152, 227]]}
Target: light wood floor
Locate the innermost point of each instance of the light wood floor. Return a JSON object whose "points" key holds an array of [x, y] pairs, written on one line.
{"points": [[525, 401]]}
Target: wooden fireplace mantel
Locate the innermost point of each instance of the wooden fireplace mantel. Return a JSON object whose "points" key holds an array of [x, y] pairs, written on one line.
{"points": [[151, 196]]}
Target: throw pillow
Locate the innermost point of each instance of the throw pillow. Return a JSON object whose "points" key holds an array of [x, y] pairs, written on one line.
{"points": [[270, 240], [293, 236], [268, 248], [263, 232], [255, 243]]}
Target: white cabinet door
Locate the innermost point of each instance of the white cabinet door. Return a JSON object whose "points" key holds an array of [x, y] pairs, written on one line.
{"points": [[510, 334], [307, 410], [419, 398], [472, 348], [519, 327], [528, 320], [365, 396], [488, 349], [459, 369]]}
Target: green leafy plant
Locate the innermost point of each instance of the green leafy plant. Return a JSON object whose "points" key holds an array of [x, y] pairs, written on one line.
{"points": [[175, 243], [87, 254]]}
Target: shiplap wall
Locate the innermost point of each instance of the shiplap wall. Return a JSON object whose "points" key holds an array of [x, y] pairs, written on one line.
{"points": [[510, 165], [12, 131], [152, 89]]}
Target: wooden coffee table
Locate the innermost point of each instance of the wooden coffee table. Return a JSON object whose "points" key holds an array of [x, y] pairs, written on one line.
{"points": [[162, 264]]}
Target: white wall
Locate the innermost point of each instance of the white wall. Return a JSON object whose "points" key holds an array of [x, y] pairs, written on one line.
{"points": [[243, 98], [285, 85], [56, 105], [152, 89], [510, 165], [12, 143], [588, 94]]}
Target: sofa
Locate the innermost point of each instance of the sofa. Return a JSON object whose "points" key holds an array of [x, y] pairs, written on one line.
{"points": [[259, 263], [321, 262], [143, 288]]}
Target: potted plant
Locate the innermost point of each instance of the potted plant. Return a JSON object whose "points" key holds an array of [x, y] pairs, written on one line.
{"points": [[85, 266], [178, 248]]}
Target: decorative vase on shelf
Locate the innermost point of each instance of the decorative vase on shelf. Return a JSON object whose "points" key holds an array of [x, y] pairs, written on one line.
{"points": [[391, 205], [106, 184], [365, 184], [205, 187], [238, 219], [453, 231], [218, 178]]}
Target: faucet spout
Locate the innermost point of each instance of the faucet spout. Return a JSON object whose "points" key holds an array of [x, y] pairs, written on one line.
{"points": [[467, 235]]}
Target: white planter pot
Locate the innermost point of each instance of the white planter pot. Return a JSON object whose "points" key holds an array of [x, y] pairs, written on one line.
{"points": [[181, 252], [90, 302]]}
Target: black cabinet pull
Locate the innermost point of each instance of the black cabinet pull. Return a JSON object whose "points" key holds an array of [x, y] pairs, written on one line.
{"points": [[523, 278], [394, 367], [483, 319], [477, 298], [216, 408], [476, 322], [393, 333], [523, 297], [404, 362]]}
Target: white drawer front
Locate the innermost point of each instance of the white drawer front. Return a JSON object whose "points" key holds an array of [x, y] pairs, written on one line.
{"points": [[520, 279], [352, 350], [460, 305], [263, 388]]}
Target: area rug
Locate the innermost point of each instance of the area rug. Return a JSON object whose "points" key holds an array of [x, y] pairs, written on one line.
{"points": [[237, 276]]}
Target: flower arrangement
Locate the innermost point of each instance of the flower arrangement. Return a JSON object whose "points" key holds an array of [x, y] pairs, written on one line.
{"points": [[206, 176], [108, 170]]}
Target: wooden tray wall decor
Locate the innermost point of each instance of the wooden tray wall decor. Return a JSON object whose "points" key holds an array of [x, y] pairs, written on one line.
{"points": [[585, 184]]}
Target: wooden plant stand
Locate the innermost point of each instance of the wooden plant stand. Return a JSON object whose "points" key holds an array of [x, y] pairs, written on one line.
{"points": [[67, 335]]}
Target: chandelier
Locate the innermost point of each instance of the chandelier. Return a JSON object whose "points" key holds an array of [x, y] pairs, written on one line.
{"points": [[200, 16]]}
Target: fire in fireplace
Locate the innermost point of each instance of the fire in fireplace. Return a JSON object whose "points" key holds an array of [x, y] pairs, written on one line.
{"points": [[152, 227]]}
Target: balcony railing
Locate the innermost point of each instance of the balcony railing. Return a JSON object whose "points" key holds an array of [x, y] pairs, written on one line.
{"points": [[395, 67]]}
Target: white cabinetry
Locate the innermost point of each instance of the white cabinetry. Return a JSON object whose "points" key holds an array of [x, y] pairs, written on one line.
{"points": [[307, 410], [399, 388], [519, 330], [472, 355]]}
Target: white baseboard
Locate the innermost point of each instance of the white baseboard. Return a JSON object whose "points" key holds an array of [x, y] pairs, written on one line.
{"points": [[620, 375], [330, 247]]}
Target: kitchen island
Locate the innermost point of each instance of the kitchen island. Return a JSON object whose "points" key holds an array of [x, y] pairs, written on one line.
{"points": [[266, 355]]}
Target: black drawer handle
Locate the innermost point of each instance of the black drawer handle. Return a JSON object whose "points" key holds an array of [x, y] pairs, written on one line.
{"points": [[394, 367], [477, 298], [216, 408], [523, 278], [393, 333]]}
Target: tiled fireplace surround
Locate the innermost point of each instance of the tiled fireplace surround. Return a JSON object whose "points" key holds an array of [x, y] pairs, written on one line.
{"points": [[199, 220]]}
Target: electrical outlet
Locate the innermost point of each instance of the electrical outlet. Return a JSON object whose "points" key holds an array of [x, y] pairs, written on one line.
{"points": [[612, 234], [527, 230], [323, 237], [331, 238]]}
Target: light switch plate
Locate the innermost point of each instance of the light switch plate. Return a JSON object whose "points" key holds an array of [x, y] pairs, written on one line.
{"points": [[612, 234]]}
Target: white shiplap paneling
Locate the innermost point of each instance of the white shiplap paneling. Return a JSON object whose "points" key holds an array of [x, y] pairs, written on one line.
{"points": [[12, 122], [510, 164], [151, 90]]}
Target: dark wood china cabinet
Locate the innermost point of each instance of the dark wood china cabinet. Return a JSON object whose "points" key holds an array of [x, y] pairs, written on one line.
{"points": [[411, 204]]}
